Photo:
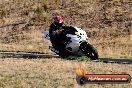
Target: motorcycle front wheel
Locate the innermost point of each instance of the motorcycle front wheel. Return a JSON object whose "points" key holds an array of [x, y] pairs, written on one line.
{"points": [[89, 51]]}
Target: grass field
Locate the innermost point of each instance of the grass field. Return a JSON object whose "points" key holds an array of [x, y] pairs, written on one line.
{"points": [[47, 73]]}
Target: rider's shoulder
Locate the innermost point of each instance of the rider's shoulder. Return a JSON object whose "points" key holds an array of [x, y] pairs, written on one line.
{"points": [[67, 27]]}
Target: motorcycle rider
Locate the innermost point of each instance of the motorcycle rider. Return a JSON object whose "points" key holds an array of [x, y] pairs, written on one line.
{"points": [[55, 33]]}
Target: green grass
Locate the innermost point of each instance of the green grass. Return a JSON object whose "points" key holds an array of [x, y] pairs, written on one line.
{"points": [[4, 13], [126, 57], [84, 58], [45, 5], [57, 3]]}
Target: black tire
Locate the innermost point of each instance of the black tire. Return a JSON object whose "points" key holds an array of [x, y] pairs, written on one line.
{"points": [[89, 51], [63, 54]]}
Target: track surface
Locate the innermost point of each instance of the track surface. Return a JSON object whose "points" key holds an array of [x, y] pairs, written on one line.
{"points": [[36, 55]]}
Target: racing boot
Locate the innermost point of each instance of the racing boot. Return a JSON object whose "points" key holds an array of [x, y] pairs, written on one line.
{"points": [[53, 49]]}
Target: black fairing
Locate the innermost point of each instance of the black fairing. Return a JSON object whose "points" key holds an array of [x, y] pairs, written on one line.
{"points": [[70, 30]]}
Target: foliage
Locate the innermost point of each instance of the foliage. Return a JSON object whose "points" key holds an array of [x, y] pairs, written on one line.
{"points": [[84, 58], [57, 3], [45, 5], [4, 13]]}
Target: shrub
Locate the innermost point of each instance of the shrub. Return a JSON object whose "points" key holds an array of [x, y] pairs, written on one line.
{"points": [[3, 13], [84, 58], [45, 5]]}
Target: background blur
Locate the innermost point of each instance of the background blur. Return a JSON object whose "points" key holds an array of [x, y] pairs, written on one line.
{"points": [[108, 24]]}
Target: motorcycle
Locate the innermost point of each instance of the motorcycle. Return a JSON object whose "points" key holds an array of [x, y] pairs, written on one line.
{"points": [[76, 44]]}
